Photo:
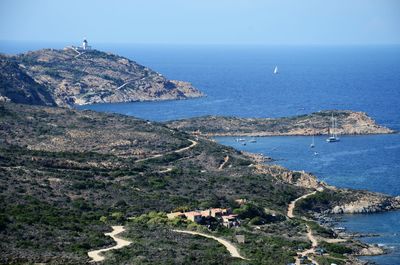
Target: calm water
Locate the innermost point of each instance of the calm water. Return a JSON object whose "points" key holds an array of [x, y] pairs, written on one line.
{"points": [[239, 81], [361, 162]]}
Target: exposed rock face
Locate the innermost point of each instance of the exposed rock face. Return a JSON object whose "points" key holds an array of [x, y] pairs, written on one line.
{"points": [[368, 203], [371, 251], [348, 122], [17, 86], [91, 77], [297, 178]]}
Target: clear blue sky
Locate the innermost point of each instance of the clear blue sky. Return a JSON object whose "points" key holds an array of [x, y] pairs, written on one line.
{"points": [[203, 21]]}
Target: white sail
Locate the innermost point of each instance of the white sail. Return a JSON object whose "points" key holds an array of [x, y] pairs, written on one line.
{"points": [[333, 135], [276, 70]]}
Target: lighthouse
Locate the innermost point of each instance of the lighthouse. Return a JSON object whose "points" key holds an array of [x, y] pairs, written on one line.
{"points": [[85, 45]]}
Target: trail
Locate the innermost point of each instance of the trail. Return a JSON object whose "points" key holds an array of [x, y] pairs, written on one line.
{"points": [[310, 236], [226, 159], [229, 246], [95, 254], [314, 244], [193, 144], [293, 204], [168, 169]]}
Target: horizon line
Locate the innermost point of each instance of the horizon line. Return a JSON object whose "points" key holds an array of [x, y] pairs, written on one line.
{"points": [[206, 44]]}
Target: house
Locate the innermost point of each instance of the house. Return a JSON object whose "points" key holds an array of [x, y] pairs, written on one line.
{"points": [[194, 216], [218, 212], [230, 220], [221, 214]]}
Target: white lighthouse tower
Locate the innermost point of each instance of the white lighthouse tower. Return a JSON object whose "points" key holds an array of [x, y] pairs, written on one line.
{"points": [[85, 45]]}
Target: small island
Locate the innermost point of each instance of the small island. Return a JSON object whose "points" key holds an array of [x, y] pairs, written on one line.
{"points": [[317, 123]]}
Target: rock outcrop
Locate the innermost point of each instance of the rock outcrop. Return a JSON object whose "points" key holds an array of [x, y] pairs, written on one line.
{"points": [[297, 178], [86, 77], [318, 123], [368, 202]]}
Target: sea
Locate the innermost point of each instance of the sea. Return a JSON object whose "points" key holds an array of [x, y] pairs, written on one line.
{"points": [[239, 81]]}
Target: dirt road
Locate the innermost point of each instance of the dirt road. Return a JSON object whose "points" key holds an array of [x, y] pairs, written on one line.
{"points": [[293, 204], [193, 144], [95, 254], [229, 246]]}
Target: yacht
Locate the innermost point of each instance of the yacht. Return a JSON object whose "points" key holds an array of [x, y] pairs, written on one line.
{"points": [[333, 136]]}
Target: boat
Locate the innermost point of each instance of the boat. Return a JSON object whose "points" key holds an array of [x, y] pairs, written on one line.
{"points": [[253, 140], [241, 140], [276, 70], [312, 145], [333, 136]]}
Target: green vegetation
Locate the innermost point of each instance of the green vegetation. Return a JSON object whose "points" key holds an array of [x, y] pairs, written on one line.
{"points": [[68, 175], [64, 183], [319, 201]]}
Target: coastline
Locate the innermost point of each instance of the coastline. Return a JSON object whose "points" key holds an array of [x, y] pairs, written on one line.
{"points": [[331, 220]]}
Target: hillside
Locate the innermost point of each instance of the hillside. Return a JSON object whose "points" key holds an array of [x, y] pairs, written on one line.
{"points": [[318, 123], [67, 175], [18, 86], [88, 77]]}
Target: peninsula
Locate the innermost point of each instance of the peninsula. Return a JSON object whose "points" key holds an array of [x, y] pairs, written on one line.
{"points": [[71, 77]]}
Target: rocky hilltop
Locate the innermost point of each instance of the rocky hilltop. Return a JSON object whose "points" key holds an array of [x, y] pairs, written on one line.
{"points": [[318, 123], [74, 77]]}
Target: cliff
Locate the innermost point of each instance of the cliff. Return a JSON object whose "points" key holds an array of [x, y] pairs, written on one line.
{"points": [[77, 77], [318, 123]]}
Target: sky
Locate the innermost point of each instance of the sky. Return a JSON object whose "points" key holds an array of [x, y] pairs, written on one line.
{"points": [[279, 22]]}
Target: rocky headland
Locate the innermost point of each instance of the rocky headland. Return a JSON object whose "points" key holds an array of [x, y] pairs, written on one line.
{"points": [[70, 77], [317, 123]]}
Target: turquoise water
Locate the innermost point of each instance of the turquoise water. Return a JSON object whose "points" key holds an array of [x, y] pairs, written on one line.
{"points": [[238, 81]]}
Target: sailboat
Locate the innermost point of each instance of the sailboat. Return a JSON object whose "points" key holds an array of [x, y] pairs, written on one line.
{"points": [[276, 70], [333, 136]]}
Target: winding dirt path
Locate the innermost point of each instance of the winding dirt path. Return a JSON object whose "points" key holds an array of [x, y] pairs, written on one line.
{"points": [[314, 244], [292, 205], [229, 246], [226, 159], [193, 144], [95, 254], [310, 236], [168, 169]]}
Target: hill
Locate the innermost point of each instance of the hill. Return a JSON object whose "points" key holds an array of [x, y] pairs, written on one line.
{"points": [[318, 123], [75, 77], [18, 86], [67, 175]]}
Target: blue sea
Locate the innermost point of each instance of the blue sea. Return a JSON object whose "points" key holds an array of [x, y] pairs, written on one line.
{"points": [[238, 81]]}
